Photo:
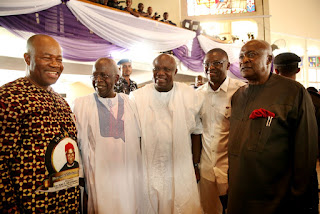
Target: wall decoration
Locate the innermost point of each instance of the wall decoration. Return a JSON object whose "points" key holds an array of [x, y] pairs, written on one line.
{"points": [[214, 7]]}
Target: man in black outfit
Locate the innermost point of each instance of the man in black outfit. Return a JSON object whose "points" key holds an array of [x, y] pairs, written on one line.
{"points": [[165, 19], [287, 65]]}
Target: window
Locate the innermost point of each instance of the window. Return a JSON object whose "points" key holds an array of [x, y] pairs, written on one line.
{"points": [[314, 71], [213, 7]]}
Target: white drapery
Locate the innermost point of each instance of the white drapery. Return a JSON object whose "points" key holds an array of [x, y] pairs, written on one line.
{"points": [[18, 7], [127, 31], [233, 50], [119, 28]]}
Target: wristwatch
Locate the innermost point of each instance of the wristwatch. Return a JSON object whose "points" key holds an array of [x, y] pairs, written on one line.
{"points": [[196, 165]]}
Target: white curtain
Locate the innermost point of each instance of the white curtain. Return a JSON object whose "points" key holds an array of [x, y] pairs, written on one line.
{"points": [[127, 31], [233, 50], [117, 27], [18, 7]]}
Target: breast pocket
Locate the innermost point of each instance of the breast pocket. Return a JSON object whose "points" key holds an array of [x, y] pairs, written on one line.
{"points": [[223, 116], [259, 133], [261, 129], [252, 134], [225, 111]]}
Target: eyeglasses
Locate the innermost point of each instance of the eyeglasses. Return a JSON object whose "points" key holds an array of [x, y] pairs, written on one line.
{"points": [[214, 64], [103, 76]]}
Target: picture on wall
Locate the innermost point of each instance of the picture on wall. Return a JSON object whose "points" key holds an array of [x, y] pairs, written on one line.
{"points": [[318, 61], [214, 7], [312, 62]]}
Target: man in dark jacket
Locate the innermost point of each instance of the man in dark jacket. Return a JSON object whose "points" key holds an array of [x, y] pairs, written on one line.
{"points": [[272, 141]]}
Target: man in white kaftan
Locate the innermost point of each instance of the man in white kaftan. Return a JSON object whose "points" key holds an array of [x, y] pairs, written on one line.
{"points": [[109, 139], [168, 114]]}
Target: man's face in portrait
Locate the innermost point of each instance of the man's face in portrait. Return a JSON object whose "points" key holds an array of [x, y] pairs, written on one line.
{"points": [[70, 155]]}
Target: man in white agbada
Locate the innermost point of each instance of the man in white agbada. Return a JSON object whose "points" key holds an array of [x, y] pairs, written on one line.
{"points": [[215, 115], [109, 140], [171, 140]]}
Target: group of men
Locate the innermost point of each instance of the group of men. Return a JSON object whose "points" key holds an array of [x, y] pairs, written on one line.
{"points": [[252, 147], [138, 12], [155, 16]]}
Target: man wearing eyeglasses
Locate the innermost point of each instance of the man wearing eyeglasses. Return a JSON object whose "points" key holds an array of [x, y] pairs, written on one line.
{"points": [[109, 139], [171, 128], [215, 115]]}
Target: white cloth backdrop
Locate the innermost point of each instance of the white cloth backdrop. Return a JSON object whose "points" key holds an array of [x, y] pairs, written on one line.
{"points": [[18, 7], [117, 27], [127, 31], [233, 50]]}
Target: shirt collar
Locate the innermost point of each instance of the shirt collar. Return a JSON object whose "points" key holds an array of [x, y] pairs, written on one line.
{"points": [[223, 86]]}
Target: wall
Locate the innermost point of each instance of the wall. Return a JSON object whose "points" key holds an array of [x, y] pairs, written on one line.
{"points": [[299, 18], [78, 89], [296, 27]]}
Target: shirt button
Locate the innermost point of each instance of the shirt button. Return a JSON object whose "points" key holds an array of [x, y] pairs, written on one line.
{"points": [[212, 136]]}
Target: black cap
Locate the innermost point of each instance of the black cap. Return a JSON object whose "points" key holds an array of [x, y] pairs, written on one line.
{"points": [[123, 61], [286, 59]]}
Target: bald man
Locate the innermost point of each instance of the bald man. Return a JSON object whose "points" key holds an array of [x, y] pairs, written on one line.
{"points": [[272, 141], [171, 139], [36, 124], [109, 139]]}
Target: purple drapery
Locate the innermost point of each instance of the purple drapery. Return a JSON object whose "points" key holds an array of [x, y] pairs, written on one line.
{"points": [[80, 44], [193, 62], [77, 41], [235, 70]]}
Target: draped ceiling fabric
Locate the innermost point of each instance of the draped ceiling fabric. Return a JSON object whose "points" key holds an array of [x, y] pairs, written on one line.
{"points": [[114, 27], [194, 60], [77, 41], [87, 31], [110, 25], [232, 50], [17, 7]]}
